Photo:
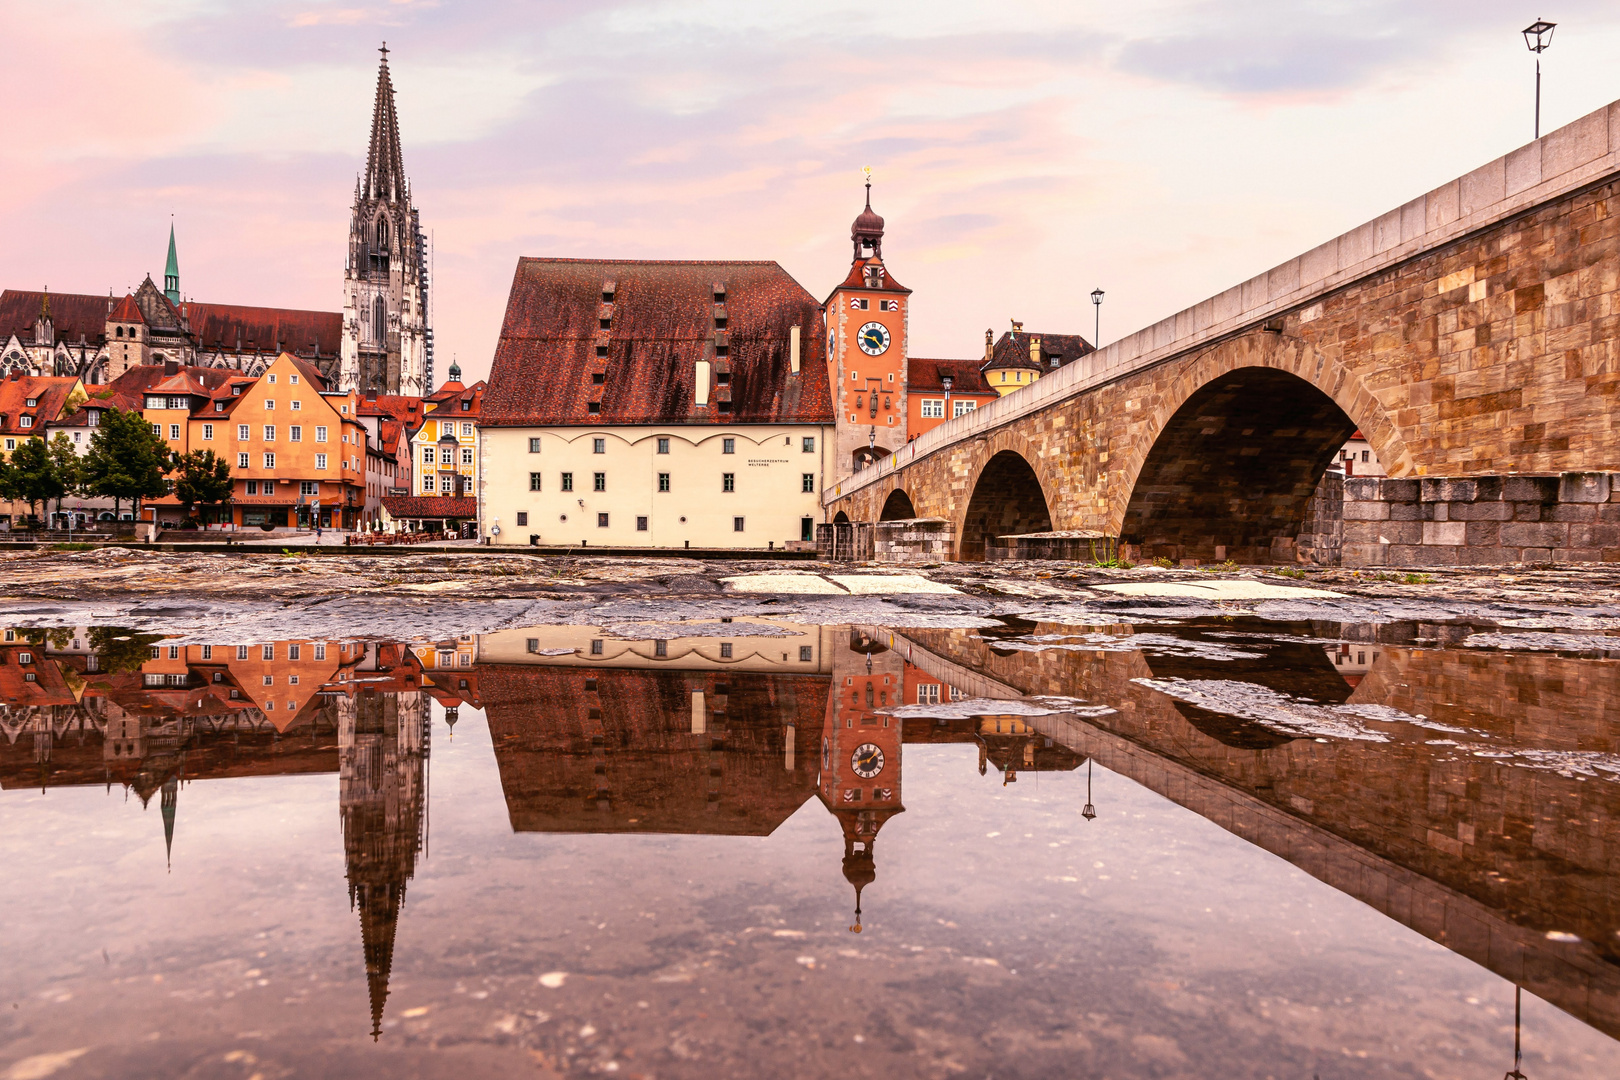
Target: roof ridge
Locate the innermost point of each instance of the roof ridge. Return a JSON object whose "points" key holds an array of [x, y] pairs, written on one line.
{"points": [[650, 262]]}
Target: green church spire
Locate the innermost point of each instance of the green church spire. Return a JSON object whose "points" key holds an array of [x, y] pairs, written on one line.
{"points": [[171, 273]]}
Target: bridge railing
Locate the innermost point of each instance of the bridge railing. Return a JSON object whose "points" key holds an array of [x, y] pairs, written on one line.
{"points": [[1562, 161]]}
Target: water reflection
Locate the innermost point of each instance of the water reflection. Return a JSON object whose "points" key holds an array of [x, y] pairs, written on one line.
{"points": [[1472, 806]]}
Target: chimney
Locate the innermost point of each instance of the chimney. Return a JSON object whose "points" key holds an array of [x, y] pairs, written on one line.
{"points": [[1035, 350], [793, 347], [171, 367], [371, 395], [989, 345]]}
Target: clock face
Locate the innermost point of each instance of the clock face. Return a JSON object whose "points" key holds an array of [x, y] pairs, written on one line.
{"points": [[874, 339], [832, 343], [867, 760]]}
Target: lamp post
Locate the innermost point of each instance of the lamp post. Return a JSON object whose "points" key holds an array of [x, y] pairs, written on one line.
{"points": [[1090, 811], [871, 446], [947, 381], [1538, 38], [1096, 333]]}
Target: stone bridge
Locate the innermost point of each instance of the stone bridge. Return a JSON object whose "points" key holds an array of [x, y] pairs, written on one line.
{"points": [[1471, 335]]}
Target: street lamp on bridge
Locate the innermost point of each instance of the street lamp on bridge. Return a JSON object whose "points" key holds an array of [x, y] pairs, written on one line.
{"points": [[1538, 38], [1096, 333]]}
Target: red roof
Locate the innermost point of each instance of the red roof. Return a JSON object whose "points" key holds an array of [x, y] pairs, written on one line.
{"points": [[72, 314], [49, 394], [923, 376], [857, 278], [127, 311], [430, 506], [264, 329], [664, 316]]}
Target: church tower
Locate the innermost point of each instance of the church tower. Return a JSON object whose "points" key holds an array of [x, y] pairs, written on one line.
{"points": [[867, 321], [387, 344]]}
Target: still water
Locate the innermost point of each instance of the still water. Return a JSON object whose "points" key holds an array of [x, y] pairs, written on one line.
{"points": [[749, 849]]}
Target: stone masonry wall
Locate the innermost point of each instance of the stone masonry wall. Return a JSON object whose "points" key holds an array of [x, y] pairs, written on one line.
{"points": [[1488, 519]]}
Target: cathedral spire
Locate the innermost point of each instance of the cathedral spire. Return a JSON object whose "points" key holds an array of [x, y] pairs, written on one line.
{"points": [[171, 271], [385, 169]]}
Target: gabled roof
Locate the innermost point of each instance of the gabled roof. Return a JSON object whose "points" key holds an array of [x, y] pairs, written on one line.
{"points": [[857, 278], [662, 321], [184, 381], [923, 376], [126, 311], [1013, 351], [262, 329], [49, 394], [72, 314]]}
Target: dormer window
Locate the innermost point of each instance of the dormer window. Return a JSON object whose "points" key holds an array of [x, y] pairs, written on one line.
{"points": [[236, 390], [31, 402]]}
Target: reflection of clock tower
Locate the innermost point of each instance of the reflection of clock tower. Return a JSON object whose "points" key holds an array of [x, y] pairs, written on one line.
{"points": [[867, 318], [860, 751]]}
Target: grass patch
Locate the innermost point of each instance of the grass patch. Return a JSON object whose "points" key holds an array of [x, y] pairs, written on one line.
{"points": [[1418, 579], [1298, 575], [1163, 563], [72, 547], [1216, 568]]}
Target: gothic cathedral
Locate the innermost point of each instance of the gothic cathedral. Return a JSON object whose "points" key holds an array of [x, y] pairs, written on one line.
{"points": [[387, 343]]}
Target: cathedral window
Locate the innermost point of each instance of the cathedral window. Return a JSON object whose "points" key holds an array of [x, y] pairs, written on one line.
{"points": [[382, 232], [379, 320]]}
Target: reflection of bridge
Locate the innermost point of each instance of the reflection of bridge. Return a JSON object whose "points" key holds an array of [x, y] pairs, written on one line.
{"points": [[1476, 854], [1468, 334]]}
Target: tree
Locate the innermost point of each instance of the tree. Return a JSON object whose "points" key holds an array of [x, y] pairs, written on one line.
{"points": [[121, 650], [30, 476], [204, 479], [65, 460], [126, 460]]}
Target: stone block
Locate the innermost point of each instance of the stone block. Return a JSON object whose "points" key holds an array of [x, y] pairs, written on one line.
{"points": [[1530, 488], [1577, 554], [1363, 532], [1362, 488], [1543, 534], [1527, 511], [1573, 511], [1366, 511], [1591, 487], [1406, 491], [1486, 556], [1535, 555], [1481, 511], [1362, 554], [1594, 536], [1423, 555], [1609, 513], [1405, 511], [1445, 532], [1431, 489], [1487, 488], [1402, 532], [1481, 533]]}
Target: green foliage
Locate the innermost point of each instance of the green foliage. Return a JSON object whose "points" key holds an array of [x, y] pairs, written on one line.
{"points": [[126, 460], [120, 650], [30, 476], [72, 547], [1291, 573], [204, 479], [1418, 579], [1219, 568], [1163, 563]]}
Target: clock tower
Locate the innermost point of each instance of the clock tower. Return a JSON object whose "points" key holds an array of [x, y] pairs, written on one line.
{"points": [[860, 751], [867, 320]]}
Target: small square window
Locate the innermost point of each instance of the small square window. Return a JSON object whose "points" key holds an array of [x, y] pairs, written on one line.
{"points": [[809, 445], [593, 407], [728, 481], [598, 378], [596, 646], [736, 524], [534, 446], [725, 650], [663, 446], [568, 481], [523, 517], [641, 524], [806, 654], [663, 481], [728, 446], [599, 481], [601, 521], [598, 446], [534, 644]]}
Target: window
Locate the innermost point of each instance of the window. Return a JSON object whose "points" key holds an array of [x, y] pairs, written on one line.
{"points": [[427, 455], [728, 446], [598, 446], [446, 456], [219, 406], [272, 380], [174, 429], [157, 429], [1366, 455], [294, 381], [241, 652], [427, 484], [33, 401], [663, 481], [297, 405], [962, 408], [268, 652], [295, 652], [660, 648], [447, 485], [534, 446], [270, 404], [208, 432], [242, 433], [807, 482], [523, 518], [725, 650], [736, 524], [308, 487], [268, 487], [599, 481], [596, 646], [269, 433], [728, 481], [320, 651], [320, 433], [269, 461], [859, 304], [296, 433], [809, 445], [806, 654], [663, 446], [601, 521], [252, 487], [933, 409], [888, 305], [466, 429], [320, 462], [641, 524], [534, 484], [466, 455]]}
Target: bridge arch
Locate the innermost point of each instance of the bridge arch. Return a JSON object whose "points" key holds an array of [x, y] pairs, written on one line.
{"points": [[897, 507], [1008, 497], [1239, 444]]}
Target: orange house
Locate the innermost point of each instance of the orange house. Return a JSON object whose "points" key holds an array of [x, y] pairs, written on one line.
{"points": [[297, 450]]}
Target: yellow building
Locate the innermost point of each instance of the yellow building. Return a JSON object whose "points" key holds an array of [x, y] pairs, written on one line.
{"points": [[444, 449], [1019, 358]]}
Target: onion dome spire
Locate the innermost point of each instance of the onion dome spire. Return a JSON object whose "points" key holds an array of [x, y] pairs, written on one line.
{"points": [[867, 231]]}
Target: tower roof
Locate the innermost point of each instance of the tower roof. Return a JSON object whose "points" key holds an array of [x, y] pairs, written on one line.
{"points": [[867, 228], [385, 169]]}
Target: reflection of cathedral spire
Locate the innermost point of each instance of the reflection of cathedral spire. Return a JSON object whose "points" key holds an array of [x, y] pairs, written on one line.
{"points": [[166, 805], [382, 751]]}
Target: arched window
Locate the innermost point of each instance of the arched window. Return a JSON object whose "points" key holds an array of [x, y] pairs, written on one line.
{"points": [[379, 321], [382, 232]]}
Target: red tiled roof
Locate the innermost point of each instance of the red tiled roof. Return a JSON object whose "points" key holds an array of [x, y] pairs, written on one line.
{"points": [[662, 321], [49, 394], [430, 506], [127, 311], [264, 329], [923, 376], [401, 407], [184, 382], [857, 278], [72, 314]]}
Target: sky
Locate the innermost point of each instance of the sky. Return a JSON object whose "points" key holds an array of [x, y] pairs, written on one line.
{"points": [[1024, 152]]}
